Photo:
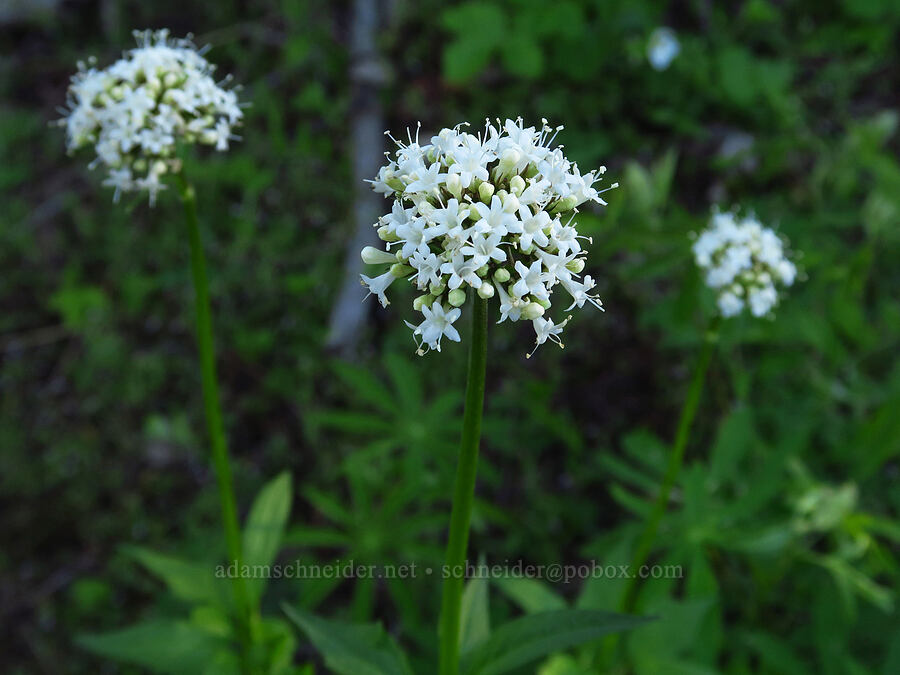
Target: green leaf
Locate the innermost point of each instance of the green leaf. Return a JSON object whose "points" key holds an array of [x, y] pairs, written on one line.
{"points": [[474, 620], [528, 638], [160, 646], [351, 649], [265, 525], [188, 581], [522, 56], [530, 594]]}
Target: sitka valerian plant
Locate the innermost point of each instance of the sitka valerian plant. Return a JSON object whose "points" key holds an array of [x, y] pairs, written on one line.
{"points": [[136, 113], [744, 263], [493, 212]]}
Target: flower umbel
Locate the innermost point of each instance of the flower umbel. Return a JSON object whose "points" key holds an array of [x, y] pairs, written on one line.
{"points": [[137, 110], [744, 262], [492, 211]]}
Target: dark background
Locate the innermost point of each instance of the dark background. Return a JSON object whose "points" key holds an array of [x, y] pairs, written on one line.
{"points": [[786, 515]]}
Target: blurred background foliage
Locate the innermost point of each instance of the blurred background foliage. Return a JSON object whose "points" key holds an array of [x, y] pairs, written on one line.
{"points": [[786, 516]]}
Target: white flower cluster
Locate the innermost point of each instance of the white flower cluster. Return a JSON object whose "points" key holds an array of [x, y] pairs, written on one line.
{"points": [[743, 261], [136, 110], [492, 211]]}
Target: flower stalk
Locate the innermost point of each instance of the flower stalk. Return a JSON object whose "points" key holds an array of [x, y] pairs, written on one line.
{"points": [[464, 493], [676, 459], [213, 411]]}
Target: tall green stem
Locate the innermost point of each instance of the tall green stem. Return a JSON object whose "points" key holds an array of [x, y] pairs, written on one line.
{"points": [[214, 423], [463, 493], [676, 459]]}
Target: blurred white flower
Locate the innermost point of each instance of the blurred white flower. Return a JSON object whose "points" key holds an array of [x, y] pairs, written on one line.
{"points": [[135, 112], [492, 211], [662, 48], [744, 263]]}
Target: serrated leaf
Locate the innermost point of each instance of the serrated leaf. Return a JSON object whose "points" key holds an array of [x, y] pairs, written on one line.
{"points": [[530, 637], [351, 649], [531, 595], [186, 580], [160, 646]]}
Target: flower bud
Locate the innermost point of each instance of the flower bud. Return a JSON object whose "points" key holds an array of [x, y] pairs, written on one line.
{"points": [[575, 265], [456, 297], [564, 205], [385, 234], [486, 290], [485, 192], [374, 256], [437, 289], [399, 270], [423, 301], [482, 271], [533, 311], [454, 185], [516, 185], [501, 276], [510, 203]]}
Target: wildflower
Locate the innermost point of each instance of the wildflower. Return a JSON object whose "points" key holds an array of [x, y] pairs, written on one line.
{"points": [[493, 211], [135, 112], [662, 48], [744, 262]]}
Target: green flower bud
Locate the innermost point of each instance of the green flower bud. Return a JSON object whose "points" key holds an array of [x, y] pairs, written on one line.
{"points": [[422, 301], [501, 276], [482, 271], [485, 291], [485, 192], [395, 184], [533, 311], [456, 297], [516, 185], [566, 204], [437, 289], [575, 265], [399, 270], [543, 303], [385, 234]]}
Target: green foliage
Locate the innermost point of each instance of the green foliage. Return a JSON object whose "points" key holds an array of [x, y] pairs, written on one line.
{"points": [[530, 637], [206, 642], [785, 519], [352, 649]]}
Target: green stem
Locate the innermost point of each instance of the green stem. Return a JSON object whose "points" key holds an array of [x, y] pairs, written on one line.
{"points": [[463, 493], [676, 459], [213, 411]]}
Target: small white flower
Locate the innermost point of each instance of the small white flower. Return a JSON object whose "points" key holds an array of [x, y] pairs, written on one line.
{"points": [[437, 324], [742, 261], [494, 218], [531, 280], [378, 285], [545, 329], [461, 269], [484, 248]]}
